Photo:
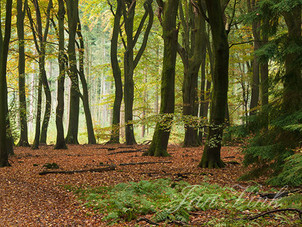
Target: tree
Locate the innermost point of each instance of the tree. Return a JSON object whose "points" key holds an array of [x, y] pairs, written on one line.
{"points": [[4, 45], [21, 9], [85, 95], [271, 148], [72, 15], [256, 67], [60, 142], [292, 94], [191, 52], [211, 155], [115, 131], [161, 134], [131, 61], [40, 38]]}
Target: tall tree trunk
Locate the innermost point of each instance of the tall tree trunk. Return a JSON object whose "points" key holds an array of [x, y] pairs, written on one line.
{"points": [[264, 84], [128, 75], [115, 131], [4, 45], [60, 142], [131, 61], [206, 90], [72, 14], [43, 39], [21, 9], [40, 43], [193, 44], [161, 135], [85, 96], [292, 94], [256, 70], [211, 155]]}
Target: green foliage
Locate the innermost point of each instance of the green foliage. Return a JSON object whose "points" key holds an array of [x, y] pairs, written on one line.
{"points": [[271, 151], [291, 174], [236, 133], [166, 200], [51, 165]]}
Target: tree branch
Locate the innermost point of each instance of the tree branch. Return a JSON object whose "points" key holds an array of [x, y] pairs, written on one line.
{"points": [[148, 8]]}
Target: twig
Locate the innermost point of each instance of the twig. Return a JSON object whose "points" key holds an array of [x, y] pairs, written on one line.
{"points": [[274, 211], [147, 220]]}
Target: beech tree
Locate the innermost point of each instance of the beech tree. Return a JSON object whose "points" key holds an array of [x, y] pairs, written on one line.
{"points": [[211, 155], [4, 45], [117, 75], [131, 60], [85, 95], [60, 142], [161, 134], [40, 38], [73, 124], [21, 10], [191, 52]]}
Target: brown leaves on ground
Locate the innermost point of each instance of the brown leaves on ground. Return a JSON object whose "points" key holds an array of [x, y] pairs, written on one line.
{"points": [[28, 199]]}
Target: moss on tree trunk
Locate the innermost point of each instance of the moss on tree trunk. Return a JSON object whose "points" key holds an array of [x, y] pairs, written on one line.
{"points": [[161, 135], [211, 155]]}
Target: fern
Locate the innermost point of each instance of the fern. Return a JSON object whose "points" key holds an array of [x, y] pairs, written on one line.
{"points": [[291, 174]]}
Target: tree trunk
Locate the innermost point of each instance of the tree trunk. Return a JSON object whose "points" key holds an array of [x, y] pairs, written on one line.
{"points": [[72, 134], [40, 43], [115, 131], [292, 95], [4, 45], [85, 96], [21, 9], [130, 62], [256, 70], [193, 44], [211, 155], [128, 76], [60, 142], [161, 135]]}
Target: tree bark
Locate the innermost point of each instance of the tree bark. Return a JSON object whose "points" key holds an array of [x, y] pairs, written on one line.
{"points": [[4, 45], [72, 14], [40, 43], [161, 135], [131, 61], [292, 94], [42, 53], [21, 9], [115, 128], [60, 142], [193, 44], [256, 70], [85, 96], [211, 155]]}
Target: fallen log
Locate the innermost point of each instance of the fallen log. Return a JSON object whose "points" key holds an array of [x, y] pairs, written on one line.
{"points": [[143, 163], [109, 168], [125, 152]]}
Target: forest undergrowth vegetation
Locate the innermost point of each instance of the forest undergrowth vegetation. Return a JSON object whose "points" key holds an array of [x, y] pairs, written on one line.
{"points": [[168, 201]]}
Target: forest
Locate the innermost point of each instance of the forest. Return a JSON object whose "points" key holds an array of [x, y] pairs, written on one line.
{"points": [[151, 112]]}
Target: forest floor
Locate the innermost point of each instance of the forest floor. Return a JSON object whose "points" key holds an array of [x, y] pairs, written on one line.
{"points": [[30, 199]]}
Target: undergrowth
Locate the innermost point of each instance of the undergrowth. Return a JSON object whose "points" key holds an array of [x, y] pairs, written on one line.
{"points": [[170, 201]]}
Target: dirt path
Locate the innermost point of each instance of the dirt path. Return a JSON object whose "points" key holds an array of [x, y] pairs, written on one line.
{"points": [[28, 199]]}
